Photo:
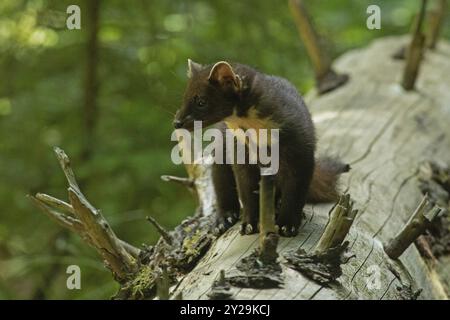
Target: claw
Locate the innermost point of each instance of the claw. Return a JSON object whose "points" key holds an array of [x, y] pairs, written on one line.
{"points": [[294, 231], [287, 231], [248, 228]]}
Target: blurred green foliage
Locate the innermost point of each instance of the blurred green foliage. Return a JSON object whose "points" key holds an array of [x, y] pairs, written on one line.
{"points": [[143, 48]]}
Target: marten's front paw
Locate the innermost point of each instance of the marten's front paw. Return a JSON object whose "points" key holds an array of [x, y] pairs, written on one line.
{"points": [[288, 227], [249, 228], [225, 221]]}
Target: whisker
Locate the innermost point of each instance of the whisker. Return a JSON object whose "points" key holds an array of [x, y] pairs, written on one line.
{"points": [[165, 110]]}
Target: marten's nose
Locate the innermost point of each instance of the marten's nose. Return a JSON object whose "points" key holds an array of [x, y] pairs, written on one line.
{"points": [[177, 124]]}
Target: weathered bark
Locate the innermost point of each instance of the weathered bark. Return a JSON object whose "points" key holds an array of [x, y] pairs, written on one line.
{"points": [[386, 134]]}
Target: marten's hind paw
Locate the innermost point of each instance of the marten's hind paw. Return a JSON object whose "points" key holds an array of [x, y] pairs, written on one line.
{"points": [[288, 227], [249, 228], [288, 231], [225, 221]]}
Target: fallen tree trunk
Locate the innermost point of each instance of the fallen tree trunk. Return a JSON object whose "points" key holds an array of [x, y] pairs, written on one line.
{"points": [[389, 137]]}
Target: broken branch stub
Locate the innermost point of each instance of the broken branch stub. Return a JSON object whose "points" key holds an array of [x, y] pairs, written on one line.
{"points": [[419, 221], [340, 220], [220, 289], [187, 182], [414, 53], [436, 20], [163, 232], [323, 264], [162, 284], [66, 221], [56, 203], [327, 79], [85, 220], [267, 230], [199, 172]]}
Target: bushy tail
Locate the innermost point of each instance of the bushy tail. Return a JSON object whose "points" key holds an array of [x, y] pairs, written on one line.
{"points": [[324, 183]]}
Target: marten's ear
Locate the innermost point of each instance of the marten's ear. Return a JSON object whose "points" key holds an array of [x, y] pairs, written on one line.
{"points": [[223, 74], [193, 68]]}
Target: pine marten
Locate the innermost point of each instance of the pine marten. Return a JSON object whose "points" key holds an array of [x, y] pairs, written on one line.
{"points": [[238, 96]]}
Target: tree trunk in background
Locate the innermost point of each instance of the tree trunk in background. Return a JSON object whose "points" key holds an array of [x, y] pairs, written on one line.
{"points": [[385, 134], [90, 110]]}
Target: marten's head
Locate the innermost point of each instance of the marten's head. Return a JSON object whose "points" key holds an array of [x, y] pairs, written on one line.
{"points": [[211, 95]]}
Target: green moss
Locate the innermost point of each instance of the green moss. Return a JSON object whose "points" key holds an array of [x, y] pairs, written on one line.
{"points": [[143, 285], [190, 244]]}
